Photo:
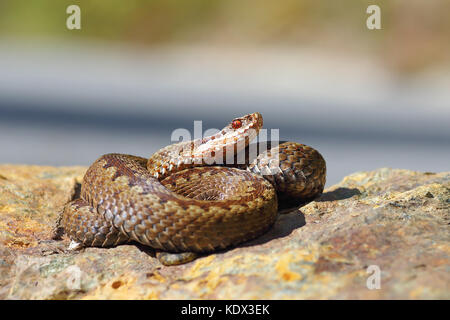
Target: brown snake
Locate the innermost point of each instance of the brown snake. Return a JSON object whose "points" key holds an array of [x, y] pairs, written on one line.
{"points": [[181, 200]]}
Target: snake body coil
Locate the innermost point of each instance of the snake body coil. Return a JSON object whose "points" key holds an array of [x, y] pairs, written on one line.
{"points": [[180, 200]]}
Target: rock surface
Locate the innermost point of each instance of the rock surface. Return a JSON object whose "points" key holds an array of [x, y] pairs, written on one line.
{"points": [[395, 220]]}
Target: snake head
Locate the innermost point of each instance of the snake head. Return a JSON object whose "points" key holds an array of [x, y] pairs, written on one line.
{"points": [[235, 136], [247, 122], [219, 148]]}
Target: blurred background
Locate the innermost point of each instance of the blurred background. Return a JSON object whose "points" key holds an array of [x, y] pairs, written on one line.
{"points": [[139, 69]]}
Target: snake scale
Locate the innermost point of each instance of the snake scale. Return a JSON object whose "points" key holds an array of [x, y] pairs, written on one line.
{"points": [[183, 199]]}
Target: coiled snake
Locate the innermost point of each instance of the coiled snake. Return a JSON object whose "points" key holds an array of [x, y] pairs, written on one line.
{"points": [[181, 200]]}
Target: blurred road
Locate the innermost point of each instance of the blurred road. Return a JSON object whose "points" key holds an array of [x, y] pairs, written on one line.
{"points": [[67, 105]]}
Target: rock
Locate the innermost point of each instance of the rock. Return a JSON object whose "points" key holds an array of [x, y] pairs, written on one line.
{"points": [[394, 221]]}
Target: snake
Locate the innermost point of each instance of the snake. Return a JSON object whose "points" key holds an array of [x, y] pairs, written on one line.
{"points": [[194, 197]]}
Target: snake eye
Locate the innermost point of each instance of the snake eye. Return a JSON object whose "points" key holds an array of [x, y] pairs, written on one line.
{"points": [[236, 124]]}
